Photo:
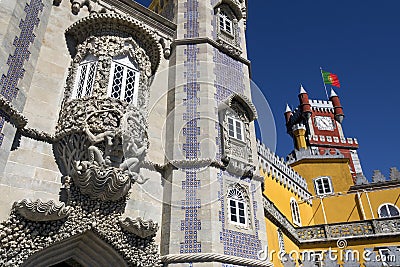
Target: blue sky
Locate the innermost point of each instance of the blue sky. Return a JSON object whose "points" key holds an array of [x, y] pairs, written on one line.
{"points": [[359, 41]]}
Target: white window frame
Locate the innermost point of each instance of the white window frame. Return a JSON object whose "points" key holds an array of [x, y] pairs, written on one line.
{"points": [[127, 64], [223, 21], [325, 191], [235, 132], [294, 206], [88, 61], [386, 205], [237, 197]]}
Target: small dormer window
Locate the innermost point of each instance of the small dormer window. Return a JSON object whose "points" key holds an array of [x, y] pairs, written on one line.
{"points": [[236, 128], [323, 185], [225, 22], [124, 80], [85, 77]]}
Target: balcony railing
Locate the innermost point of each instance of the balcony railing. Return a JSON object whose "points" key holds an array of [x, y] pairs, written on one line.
{"points": [[383, 227]]}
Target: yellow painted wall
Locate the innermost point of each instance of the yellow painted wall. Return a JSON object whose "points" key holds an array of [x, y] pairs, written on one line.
{"points": [[280, 196], [273, 243], [337, 169]]}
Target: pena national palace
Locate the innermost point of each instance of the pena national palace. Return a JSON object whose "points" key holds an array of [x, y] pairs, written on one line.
{"points": [[127, 138]]}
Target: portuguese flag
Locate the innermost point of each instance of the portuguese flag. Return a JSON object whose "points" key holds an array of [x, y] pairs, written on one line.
{"points": [[330, 78]]}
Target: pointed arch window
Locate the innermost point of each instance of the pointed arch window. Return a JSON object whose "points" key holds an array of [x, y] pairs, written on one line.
{"points": [[124, 80], [237, 207], [388, 210], [294, 206], [85, 77]]}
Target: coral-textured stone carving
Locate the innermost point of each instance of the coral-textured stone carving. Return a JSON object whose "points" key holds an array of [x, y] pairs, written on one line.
{"points": [[92, 6], [117, 26], [39, 211], [102, 183], [21, 238], [139, 227]]}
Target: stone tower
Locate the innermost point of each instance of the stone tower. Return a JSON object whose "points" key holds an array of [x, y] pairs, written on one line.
{"points": [[128, 132]]}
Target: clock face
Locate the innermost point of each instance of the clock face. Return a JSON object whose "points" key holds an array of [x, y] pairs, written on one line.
{"points": [[324, 123]]}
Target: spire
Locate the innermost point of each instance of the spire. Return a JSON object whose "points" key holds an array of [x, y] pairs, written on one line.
{"points": [[333, 93], [287, 108], [302, 90]]}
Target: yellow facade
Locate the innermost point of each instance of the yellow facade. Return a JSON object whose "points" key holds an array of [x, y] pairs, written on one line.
{"points": [[349, 208]]}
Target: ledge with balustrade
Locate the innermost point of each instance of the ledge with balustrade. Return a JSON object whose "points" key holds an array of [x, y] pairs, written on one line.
{"points": [[376, 228]]}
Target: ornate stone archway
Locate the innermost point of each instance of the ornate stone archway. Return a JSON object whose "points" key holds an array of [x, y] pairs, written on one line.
{"points": [[86, 249]]}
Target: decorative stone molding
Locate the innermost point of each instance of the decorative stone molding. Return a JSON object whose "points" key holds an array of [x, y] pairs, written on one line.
{"points": [[102, 183], [383, 227], [21, 239], [118, 26], [15, 117], [38, 211], [278, 169], [378, 177], [245, 105], [213, 257], [92, 6], [105, 48], [101, 144], [272, 213], [139, 227], [387, 226]]}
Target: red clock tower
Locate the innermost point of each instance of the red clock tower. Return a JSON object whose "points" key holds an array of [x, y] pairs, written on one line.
{"points": [[316, 128]]}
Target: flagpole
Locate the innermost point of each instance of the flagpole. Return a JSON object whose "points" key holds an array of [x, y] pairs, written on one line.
{"points": [[326, 92]]}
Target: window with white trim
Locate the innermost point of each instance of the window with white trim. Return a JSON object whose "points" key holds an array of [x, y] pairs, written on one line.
{"points": [[236, 128], [85, 77], [237, 207], [124, 80], [323, 185], [388, 210], [294, 206], [225, 22]]}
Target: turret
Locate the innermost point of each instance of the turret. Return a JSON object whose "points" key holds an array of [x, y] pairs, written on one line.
{"points": [[288, 114], [304, 103], [338, 110], [299, 134]]}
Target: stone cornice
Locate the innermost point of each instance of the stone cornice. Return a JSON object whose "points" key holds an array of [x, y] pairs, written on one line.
{"points": [[144, 14], [206, 40]]}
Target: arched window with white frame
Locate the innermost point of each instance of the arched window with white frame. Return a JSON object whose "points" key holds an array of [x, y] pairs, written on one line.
{"points": [[294, 206], [237, 207], [85, 77], [323, 185], [388, 210], [124, 80]]}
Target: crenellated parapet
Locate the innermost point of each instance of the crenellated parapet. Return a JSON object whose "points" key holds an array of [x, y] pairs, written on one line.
{"points": [[278, 169]]}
